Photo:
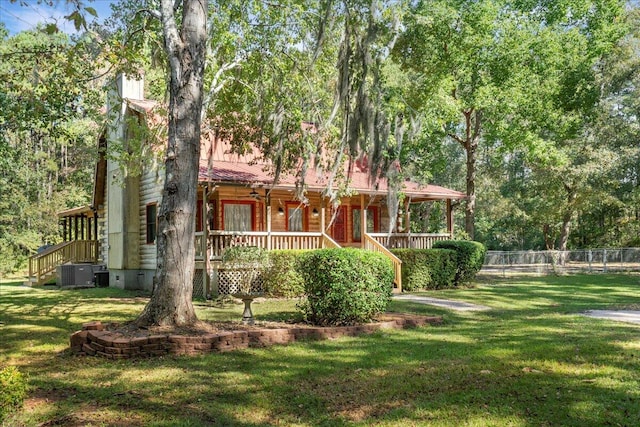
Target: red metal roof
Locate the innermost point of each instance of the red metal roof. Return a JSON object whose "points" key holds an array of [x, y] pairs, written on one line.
{"points": [[218, 164]]}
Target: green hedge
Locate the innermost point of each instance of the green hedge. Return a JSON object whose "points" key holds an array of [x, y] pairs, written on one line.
{"points": [[345, 286], [470, 257], [427, 268], [13, 389], [282, 278]]}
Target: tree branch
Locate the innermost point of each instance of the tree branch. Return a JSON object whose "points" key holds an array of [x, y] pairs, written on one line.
{"points": [[456, 138], [173, 42]]}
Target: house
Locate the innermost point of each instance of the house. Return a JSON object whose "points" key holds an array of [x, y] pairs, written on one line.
{"points": [[238, 204]]}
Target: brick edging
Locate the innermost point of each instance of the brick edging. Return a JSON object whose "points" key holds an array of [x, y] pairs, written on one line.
{"points": [[95, 340]]}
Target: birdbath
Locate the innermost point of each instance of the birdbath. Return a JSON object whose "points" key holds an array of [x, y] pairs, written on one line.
{"points": [[248, 262], [247, 299]]}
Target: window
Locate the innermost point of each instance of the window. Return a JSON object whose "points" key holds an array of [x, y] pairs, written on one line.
{"points": [[295, 217], [238, 216], [152, 223], [372, 222]]}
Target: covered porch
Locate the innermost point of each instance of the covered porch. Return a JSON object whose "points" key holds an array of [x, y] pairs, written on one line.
{"points": [[79, 231], [271, 219]]}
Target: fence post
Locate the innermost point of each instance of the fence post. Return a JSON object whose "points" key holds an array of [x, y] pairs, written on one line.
{"points": [[604, 260], [590, 258], [504, 265]]}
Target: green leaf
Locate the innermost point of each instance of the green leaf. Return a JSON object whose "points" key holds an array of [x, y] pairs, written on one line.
{"points": [[91, 11]]}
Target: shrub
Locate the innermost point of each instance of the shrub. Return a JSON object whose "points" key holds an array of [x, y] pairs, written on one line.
{"points": [[345, 286], [427, 268], [249, 262], [13, 389], [469, 258], [282, 278]]}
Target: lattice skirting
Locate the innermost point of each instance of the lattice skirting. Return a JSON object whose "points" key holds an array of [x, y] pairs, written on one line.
{"points": [[224, 282], [198, 285], [229, 281]]}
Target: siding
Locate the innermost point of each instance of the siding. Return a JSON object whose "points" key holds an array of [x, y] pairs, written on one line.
{"points": [[103, 230], [151, 184]]}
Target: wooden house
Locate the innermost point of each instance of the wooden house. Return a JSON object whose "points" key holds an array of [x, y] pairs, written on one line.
{"points": [[238, 204]]}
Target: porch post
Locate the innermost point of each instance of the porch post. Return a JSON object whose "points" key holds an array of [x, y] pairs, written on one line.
{"points": [[363, 220], [205, 239], [64, 229], [322, 219], [450, 218], [267, 198], [407, 222], [75, 226], [95, 224]]}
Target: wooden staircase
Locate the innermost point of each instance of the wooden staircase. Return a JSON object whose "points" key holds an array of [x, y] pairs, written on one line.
{"points": [[42, 266], [372, 244]]}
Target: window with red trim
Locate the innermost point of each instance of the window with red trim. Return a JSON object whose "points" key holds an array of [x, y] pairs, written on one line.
{"points": [[296, 217], [238, 216]]}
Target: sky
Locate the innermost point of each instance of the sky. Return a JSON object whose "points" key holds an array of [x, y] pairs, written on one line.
{"points": [[17, 17]]}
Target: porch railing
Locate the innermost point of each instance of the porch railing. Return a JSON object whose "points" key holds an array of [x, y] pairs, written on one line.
{"points": [[221, 240], [372, 244], [328, 242], [409, 240], [44, 264]]}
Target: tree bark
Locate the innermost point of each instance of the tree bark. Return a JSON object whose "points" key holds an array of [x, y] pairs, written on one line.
{"points": [[548, 238], [473, 127], [171, 300], [566, 218]]}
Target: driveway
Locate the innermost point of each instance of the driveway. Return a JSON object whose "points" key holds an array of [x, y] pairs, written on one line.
{"points": [[443, 303], [629, 316]]}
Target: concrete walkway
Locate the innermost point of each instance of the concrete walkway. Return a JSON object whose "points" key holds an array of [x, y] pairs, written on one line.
{"points": [[628, 316], [444, 303]]}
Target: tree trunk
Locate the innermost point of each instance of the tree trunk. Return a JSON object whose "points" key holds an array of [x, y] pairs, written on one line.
{"points": [[171, 300], [548, 238], [473, 127], [566, 219], [470, 207]]}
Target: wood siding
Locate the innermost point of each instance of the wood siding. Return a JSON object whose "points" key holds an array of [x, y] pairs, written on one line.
{"points": [[151, 185]]}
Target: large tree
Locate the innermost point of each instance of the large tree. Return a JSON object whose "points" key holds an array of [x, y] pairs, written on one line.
{"points": [[507, 74], [185, 37]]}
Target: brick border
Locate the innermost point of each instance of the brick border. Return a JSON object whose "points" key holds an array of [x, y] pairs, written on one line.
{"points": [[95, 340]]}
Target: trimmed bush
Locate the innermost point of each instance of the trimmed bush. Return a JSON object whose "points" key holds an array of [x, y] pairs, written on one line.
{"points": [[13, 389], [345, 286], [427, 268], [282, 278], [470, 257]]}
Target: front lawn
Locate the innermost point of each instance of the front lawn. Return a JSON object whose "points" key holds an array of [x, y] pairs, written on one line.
{"points": [[532, 360]]}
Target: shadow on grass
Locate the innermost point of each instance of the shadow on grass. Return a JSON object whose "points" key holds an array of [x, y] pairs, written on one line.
{"points": [[530, 361]]}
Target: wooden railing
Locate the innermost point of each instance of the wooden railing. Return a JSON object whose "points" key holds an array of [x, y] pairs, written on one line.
{"points": [[328, 242], [45, 263], [409, 240], [372, 244], [220, 240]]}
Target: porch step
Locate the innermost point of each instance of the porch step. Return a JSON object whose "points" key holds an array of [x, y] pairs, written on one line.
{"points": [[33, 280]]}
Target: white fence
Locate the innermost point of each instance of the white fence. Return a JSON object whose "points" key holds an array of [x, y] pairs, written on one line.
{"points": [[559, 262]]}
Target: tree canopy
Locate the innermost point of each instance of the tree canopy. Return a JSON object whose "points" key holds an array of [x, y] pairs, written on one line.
{"points": [[531, 105]]}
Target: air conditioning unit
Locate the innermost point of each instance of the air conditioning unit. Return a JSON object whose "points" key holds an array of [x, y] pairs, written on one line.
{"points": [[75, 275]]}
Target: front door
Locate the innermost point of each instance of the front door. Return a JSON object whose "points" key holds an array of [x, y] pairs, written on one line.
{"points": [[339, 229]]}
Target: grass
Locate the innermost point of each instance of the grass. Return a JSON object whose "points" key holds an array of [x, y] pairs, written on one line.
{"points": [[531, 361]]}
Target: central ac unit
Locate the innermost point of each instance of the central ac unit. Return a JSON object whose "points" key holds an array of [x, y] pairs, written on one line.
{"points": [[75, 275]]}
